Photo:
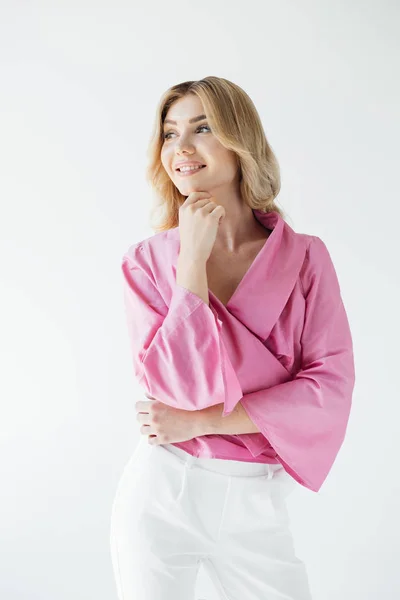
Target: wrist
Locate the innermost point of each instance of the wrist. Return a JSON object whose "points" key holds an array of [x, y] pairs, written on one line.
{"points": [[187, 262], [192, 275], [209, 419]]}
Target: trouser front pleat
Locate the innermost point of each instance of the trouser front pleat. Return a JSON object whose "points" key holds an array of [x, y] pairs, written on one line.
{"points": [[173, 512]]}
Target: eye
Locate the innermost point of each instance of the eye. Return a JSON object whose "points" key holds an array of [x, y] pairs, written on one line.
{"points": [[166, 135], [202, 127]]}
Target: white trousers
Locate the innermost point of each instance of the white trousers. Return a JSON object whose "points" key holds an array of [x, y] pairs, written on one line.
{"points": [[173, 512]]}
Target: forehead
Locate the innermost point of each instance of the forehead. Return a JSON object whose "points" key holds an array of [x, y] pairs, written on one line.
{"points": [[185, 108]]}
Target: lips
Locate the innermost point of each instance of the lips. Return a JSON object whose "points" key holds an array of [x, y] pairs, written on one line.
{"points": [[198, 168], [189, 163], [189, 172]]}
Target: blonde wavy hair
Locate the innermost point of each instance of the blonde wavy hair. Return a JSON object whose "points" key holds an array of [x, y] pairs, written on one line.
{"points": [[235, 122]]}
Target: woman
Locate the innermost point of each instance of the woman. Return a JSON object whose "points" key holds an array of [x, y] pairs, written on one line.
{"points": [[241, 341]]}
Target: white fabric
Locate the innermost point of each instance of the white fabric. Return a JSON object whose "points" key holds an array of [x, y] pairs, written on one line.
{"points": [[173, 512]]}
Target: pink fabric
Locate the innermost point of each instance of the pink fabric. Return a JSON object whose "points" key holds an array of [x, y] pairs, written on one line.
{"points": [[282, 346]]}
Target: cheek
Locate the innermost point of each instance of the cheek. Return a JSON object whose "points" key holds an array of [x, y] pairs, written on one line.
{"points": [[165, 160], [224, 163], [168, 150], [222, 155]]}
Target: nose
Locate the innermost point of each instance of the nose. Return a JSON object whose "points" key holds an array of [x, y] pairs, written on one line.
{"points": [[184, 146], [184, 149]]}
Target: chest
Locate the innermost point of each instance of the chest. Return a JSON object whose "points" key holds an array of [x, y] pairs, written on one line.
{"points": [[226, 271]]}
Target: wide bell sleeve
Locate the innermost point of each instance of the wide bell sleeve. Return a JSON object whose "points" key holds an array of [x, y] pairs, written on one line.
{"points": [[305, 419], [177, 352]]}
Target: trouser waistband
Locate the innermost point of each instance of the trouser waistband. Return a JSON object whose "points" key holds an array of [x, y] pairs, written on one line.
{"points": [[237, 468]]}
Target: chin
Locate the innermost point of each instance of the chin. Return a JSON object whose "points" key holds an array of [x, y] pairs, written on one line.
{"points": [[190, 189]]}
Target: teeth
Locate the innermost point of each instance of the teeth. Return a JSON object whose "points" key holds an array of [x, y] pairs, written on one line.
{"points": [[183, 169]]}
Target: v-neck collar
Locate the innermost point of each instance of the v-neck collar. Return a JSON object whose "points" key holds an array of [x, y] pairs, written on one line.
{"points": [[271, 221], [265, 288]]}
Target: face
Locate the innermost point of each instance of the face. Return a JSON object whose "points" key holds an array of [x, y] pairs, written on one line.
{"points": [[186, 141]]}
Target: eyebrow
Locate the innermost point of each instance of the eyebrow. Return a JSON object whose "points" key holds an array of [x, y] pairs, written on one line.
{"points": [[194, 120]]}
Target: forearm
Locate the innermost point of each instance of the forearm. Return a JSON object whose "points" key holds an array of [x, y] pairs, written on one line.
{"points": [[192, 275], [212, 422]]}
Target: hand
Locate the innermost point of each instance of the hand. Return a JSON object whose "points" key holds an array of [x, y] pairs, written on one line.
{"points": [[166, 425], [199, 218]]}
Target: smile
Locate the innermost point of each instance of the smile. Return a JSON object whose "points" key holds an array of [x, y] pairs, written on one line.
{"points": [[187, 172]]}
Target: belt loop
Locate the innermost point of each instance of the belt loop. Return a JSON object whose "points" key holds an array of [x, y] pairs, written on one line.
{"points": [[184, 476], [270, 472]]}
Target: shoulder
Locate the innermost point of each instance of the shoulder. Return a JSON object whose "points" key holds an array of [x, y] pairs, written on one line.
{"points": [[151, 246], [318, 266], [154, 255], [314, 246], [317, 253]]}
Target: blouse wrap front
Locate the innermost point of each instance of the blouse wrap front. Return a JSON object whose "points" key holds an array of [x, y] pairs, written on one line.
{"points": [[281, 346]]}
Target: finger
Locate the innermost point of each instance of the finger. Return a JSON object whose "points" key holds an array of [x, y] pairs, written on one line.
{"points": [[142, 405], [143, 418], [194, 196], [147, 430]]}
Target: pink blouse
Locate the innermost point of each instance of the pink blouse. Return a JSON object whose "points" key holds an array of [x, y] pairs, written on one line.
{"points": [[281, 346]]}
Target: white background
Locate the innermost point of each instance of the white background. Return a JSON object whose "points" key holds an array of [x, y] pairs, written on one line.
{"points": [[80, 82]]}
